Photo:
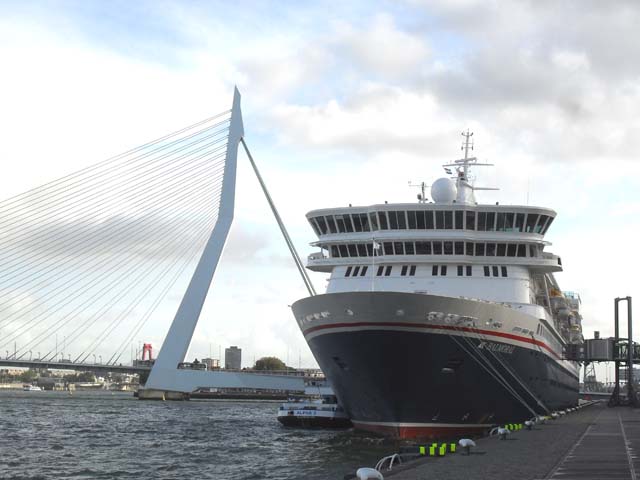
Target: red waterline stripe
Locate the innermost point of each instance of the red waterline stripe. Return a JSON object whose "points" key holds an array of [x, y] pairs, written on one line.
{"points": [[510, 336]]}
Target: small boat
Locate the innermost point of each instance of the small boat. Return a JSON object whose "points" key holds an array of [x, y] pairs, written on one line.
{"points": [[317, 408], [31, 388]]}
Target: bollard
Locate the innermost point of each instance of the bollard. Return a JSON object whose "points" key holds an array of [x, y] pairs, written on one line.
{"points": [[432, 450], [422, 450], [443, 449], [452, 447]]}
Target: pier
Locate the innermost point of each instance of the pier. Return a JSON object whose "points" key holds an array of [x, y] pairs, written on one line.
{"points": [[593, 443]]}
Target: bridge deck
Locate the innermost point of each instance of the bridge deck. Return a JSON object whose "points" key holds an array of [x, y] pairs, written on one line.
{"points": [[596, 442]]}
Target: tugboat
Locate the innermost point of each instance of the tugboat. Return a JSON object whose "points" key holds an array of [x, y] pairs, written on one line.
{"points": [[441, 317], [318, 408]]}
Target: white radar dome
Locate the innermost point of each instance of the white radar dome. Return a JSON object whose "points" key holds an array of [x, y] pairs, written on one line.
{"points": [[444, 190]]}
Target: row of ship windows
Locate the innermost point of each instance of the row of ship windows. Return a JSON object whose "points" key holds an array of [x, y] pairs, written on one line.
{"points": [[432, 220], [477, 249], [551, 339], [436, 270]]}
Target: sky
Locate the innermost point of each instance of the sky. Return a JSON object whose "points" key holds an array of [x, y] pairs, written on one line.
{"points": [[343, 102]]}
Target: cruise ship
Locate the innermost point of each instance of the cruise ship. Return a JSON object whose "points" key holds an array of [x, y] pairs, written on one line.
{"points": [[441, 317]]}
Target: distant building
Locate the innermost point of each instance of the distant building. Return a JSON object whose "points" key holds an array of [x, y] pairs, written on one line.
{"points": [[211, 363], [232, 358]]}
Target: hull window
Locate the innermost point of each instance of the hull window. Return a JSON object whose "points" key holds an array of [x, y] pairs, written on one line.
{"points": [[380, 270], [494, 270], [387, 271], [443, 270], [434, 270], [504, 271], [469, 270], [486, 271], [460, 271], [412, 271], [348, 272]]}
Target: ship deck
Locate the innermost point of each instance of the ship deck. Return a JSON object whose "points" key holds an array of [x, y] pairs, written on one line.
{"points": [[593, 443]]}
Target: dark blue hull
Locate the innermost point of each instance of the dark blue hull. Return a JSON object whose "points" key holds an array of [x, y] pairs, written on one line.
{"points": [[423, 384]]}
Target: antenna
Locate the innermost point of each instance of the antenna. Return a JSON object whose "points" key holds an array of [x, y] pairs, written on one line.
{"points": [[422, 197], [466, 144]]}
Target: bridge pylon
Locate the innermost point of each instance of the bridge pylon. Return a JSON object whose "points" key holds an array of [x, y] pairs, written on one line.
{"points": [[167, 380]]}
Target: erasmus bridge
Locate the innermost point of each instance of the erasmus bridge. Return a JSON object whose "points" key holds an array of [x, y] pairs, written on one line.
{"points": [[91, 257]]}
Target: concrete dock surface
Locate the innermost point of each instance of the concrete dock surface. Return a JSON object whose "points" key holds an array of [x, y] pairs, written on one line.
{"points": [[593, 443]]}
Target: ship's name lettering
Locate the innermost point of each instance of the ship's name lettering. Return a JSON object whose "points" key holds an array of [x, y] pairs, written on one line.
{"points": [[497, 347], [305, 413]]}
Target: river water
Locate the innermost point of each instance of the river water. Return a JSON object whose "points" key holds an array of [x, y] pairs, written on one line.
{"points": [[54, 435]]}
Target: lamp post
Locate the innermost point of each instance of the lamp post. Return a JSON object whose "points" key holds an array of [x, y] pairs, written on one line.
{"points": [[94, 358], [100, 357], [29, 355]]}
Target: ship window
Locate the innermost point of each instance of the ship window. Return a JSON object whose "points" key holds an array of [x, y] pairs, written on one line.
{"points": [[370, 250], [340, 223], [460, 270], [399, 246], [470, 248], [459, 246], [393, 220], [532, 250], [540, 224], [423, 248], [504, 271], [443, 270], [448, 219], [546, 227], [343, 251], [482, 220], [495, 271], [364, 220], [408, 248], [348, 272], [439, 219], [380, 270], [362, 250], [469, 270], [355, 271], [357, 223], [428, 216], [388, 248], [373, 218], [382, 216], [403, 272], [522, 250], [471, 220], [314, 225], [531, 222], [437, 248], [363, 272], [434, 270], [508, 222], [500, 220], [479, 249], [448, 248], [334, 251], [511, 250], [519, 222], [459, 219], [402, 220], [387, 271], [491, 220], [412, 270], [420, 220], [332, 224], [411, 219], [491, 250], [502, 249], [321, 224], [353, 252], [486, 271]]}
